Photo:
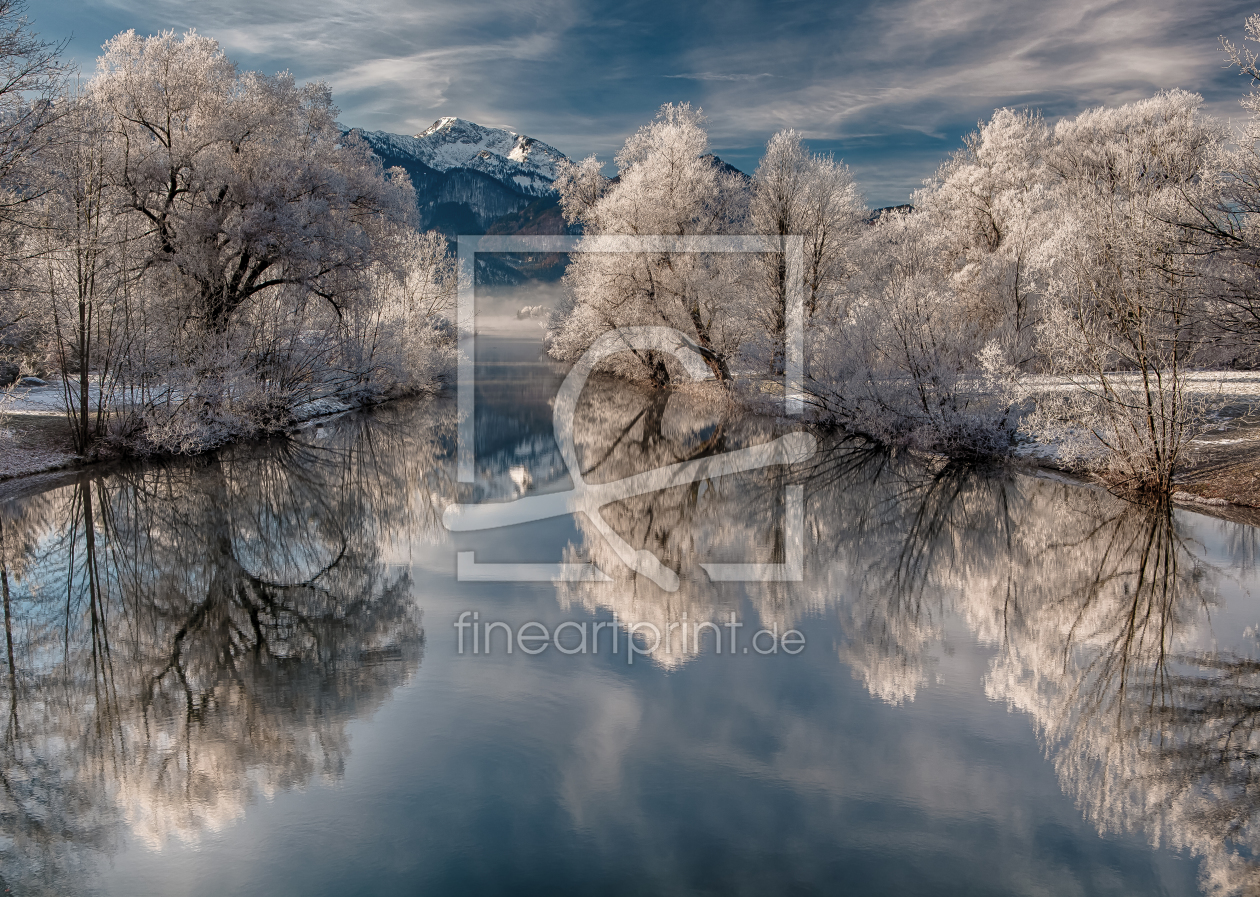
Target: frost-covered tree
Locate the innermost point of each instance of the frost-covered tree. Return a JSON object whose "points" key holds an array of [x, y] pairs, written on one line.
{"points": [[1227, 216], [31, 78], [1126, 289], [580, 186], [898, 361], [215, 258], [796, 193], [245, 180], [941, 309], [667, 185], [988, 202], [1069, 250], [77, 264], [406, 326], [776, 210]]}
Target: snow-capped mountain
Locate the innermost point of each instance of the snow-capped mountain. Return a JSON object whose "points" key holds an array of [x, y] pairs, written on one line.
{"points": [[522, 163], [470, 178]]}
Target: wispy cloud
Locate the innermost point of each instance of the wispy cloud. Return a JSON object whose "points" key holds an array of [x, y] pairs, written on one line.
{"points": [[718, 76], [889, 85]]}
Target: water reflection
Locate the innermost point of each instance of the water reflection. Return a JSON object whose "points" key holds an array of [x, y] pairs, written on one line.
{"points": [[184, 638], [1147, 709], [1099, 613]]}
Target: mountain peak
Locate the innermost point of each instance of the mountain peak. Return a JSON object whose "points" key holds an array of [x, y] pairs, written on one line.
{"points": [[448, 122], [521, 163]]}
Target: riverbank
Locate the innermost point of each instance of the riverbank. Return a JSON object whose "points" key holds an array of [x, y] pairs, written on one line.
{"points": [[33, 443], [36, 437], [1221, 468], [1222, 477]]}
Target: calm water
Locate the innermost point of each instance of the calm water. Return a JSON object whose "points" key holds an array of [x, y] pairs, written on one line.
{"points": [[241, 675]]}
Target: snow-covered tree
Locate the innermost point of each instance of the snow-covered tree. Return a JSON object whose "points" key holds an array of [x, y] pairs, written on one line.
{"points": [[215, 257], [31, 78], [1227, 216], [1033, 250], [245, 180], [898, 361], [796, 193], [407, 324], [77, 264], [1125, 285], [667, 185], [989, 204]]}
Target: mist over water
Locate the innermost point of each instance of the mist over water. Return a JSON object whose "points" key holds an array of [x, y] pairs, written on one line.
{"points": [[239, 673]]}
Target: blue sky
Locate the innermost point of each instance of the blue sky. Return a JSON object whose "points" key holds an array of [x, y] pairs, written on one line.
{"points": [[890, 87]]}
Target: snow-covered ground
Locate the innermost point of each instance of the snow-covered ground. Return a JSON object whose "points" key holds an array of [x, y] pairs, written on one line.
{"points": [[1238, 389], [1226, 384], [29, 445], [48, 399], [25, 450], [20, 460], [1237, 393]]}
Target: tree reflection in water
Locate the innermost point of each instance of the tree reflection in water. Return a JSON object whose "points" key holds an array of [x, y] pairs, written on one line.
{"points": [[182, 638], [1099, 613], [1150, 722]]}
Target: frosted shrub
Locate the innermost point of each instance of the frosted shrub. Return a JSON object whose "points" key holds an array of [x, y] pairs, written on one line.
{"points": [[900, 363], [935, 317], [407, 332], [202, 406]]}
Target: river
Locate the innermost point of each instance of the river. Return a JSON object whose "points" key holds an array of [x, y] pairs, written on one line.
{"points": [[246, 673]]}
